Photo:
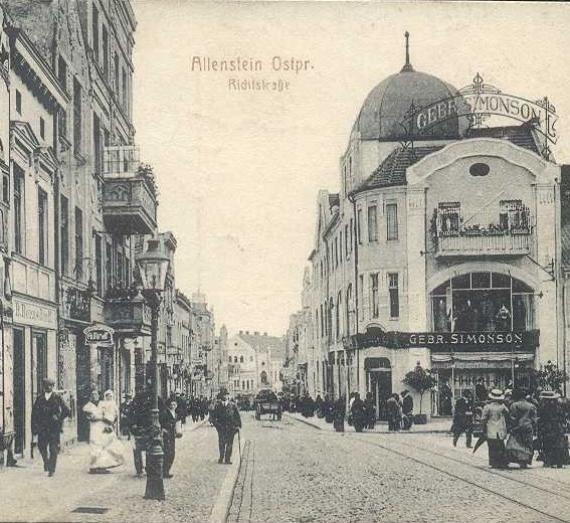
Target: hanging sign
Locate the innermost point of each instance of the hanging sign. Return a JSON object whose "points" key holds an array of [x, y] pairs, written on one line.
{"points": [[100, 335]]}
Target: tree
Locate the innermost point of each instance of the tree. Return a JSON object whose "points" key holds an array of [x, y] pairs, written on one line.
{"points": [[549, 377], [420, 380]]}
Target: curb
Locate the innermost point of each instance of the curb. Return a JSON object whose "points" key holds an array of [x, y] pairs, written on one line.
{"points": [[221, 508], [318, 427]]}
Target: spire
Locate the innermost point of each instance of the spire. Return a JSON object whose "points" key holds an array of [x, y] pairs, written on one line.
{"points": [[408, 66]]}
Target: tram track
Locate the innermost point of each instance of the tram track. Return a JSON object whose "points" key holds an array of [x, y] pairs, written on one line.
{"points": [[442, 470]]}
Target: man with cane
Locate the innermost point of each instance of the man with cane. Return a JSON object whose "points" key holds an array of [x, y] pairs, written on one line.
{"points": [[227, 421]]}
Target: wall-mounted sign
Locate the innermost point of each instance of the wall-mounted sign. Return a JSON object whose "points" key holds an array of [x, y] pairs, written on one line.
{"points": [[34, 314], [447, 341], [100, 335]]}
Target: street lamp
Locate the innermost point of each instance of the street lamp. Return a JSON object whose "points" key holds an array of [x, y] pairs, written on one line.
{"points": [[153, 266]]}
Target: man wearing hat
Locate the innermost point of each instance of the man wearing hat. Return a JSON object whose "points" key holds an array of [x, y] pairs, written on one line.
{"points": [[48, 413], [226, 419]]}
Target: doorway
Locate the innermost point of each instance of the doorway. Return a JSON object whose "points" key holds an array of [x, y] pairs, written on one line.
{"points": [[379, 383], [19, 375]]}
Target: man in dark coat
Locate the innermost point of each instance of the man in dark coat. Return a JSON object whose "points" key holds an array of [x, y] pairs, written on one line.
{"points": [[168, 418], [463, 418], [480, 390], [358, 413], [48, 413], [226, 419], [140, 425], [407, 410]]}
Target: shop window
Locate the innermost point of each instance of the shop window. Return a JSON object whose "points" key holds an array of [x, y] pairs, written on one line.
{"points": [[481, 280], [462, 282]]}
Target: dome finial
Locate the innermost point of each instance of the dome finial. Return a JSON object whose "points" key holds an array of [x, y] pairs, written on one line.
{"points": [[408, 66]]}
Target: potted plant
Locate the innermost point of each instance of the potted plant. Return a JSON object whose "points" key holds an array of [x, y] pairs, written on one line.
{"points": [[420, 380]]}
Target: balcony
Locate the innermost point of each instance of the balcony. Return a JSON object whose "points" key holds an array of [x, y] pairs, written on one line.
{"points": [[127, 312], [483, 243], [129, 192]]}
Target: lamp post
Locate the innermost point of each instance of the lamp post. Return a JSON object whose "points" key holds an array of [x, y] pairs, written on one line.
{"points": [[153, 267]]}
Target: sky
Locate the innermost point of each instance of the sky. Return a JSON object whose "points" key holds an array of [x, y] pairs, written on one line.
{"points": [[239, 170]]}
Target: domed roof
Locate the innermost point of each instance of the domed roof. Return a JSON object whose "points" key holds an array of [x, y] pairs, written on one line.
{"points": [[384, 114]]}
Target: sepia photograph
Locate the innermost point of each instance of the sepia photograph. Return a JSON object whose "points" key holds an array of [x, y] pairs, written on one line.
{"points": [[284, 261]]}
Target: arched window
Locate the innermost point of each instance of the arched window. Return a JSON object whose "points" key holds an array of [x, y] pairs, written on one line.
{"points": [[235, 359], [230, 359], [263, 377], [484, 302], [241, 359]]}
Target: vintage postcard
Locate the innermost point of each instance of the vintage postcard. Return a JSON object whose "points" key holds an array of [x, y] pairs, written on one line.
{"points": [[284, 261]]}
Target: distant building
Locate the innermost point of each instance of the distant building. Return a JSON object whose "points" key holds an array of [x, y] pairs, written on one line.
{"points": [[254, 361]]}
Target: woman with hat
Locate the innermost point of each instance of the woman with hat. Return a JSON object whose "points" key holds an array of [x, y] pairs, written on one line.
{"points": [[494, 422], [551, 430]]}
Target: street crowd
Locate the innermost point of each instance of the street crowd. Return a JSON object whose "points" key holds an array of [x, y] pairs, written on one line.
{"points": [[107, 449]]}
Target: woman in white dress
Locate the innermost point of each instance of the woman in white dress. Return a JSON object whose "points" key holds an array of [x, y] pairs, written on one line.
{"points": [[106, 449]]}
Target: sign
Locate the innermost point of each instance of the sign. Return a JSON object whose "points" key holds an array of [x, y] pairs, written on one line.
{"points": [[477, 102], [34, 314], [447, 341], [100, 335]]}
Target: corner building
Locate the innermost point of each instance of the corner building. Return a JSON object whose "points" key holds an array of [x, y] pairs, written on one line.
{"points": [[441, 248]]}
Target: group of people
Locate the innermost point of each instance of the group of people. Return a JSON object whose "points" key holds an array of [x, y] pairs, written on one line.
{"points": [[515, 424]]}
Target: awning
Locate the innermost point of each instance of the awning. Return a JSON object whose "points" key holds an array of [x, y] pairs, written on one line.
{"points": [[479, 360]]}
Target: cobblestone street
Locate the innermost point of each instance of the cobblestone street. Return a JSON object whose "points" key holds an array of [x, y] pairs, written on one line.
{"points": [[297, 473]]}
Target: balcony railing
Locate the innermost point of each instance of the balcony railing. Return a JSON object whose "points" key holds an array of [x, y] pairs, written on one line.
{"points": [[129, 192], [484, 243]]}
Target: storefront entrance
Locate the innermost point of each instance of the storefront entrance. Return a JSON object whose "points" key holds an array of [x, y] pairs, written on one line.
{"points": [[379, 383]]}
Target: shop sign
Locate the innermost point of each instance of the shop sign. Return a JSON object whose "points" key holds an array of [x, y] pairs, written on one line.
{"points": [[100, 335], [34, 314], [447, 341]]}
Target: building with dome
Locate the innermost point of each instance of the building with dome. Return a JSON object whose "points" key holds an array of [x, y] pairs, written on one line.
{"points": [[441, 247]]}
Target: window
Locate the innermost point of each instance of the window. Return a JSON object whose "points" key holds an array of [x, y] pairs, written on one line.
{"points": [[62, 72], [105, 37], [95, 22], [98, 264], [346, 241], [359, 226], [340, 246], [251, 358], [42, 226], [336, 251], [361, 296], [338, 317], [317, 322], [77, 122], [97, 147], [18, 102], [514, 216], [448, 218], [18, 209], [6, 188], [374, 305], [78, 243], [348, 309], [42, 128], [229, 359], [62, 123], [351, 229], [372, 224], [124, 88], [109, 265], [116, 67], [241, 359], [391, 221], [64, 234], [394, 295]]}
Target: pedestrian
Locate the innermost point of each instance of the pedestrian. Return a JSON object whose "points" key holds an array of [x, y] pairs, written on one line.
{"points": [[519, 446], [203, 408], [182, 409], [394, 412], [370, 408], [48, 412], [407, 410], [551, 437], [124, 410], [168, 419], [227, 421], [358, 413], [480, 390], [494, 423], [319, 407], [339, 414], [328, 407], [463, 418], [508, 401], [106, 451], [140, 426]]}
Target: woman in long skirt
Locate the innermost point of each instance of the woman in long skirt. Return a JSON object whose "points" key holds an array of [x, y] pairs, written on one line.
{"points": [[523, 424], [551, 436], [494, 421]]}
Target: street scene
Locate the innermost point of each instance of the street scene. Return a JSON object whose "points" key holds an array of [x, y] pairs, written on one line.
{"points": [[253, 272]]}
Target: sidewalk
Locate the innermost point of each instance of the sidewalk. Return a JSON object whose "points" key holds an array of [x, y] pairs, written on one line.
{"points": [[434, 426], [191, 495]]}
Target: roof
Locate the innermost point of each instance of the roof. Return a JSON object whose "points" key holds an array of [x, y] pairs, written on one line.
{"points": [[392, 170], [520, 135], [263, 343], [386, 108]]}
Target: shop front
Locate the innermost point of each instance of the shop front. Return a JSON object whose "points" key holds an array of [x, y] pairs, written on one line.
{"points": [[34, 341]]}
